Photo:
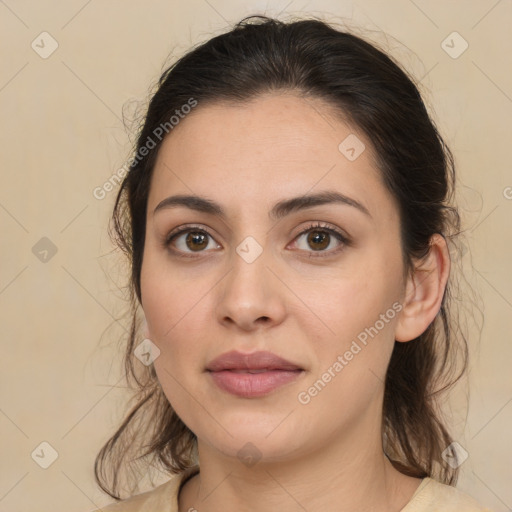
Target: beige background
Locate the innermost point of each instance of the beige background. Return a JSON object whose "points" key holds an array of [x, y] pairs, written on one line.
{"points": [[62, 136]]}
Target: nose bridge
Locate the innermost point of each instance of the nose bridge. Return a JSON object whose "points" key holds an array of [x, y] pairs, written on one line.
{"points": [[250, 292], [248, 278]]}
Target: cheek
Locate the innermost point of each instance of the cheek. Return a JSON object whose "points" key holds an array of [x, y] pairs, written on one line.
{"points": [[351, 364], [354, 301], [168, 296], [176, 309], [359, 310]]}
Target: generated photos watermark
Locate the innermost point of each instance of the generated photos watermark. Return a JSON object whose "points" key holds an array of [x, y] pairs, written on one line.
{"points": [[305, 397], [151, 142]]}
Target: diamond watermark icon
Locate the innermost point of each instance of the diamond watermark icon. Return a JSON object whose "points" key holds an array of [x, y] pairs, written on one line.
{"points": [[249, 454], [351, 147], [44, 45], [249, 249], [44, 250], [146, 352], [44, 455], [454, 45], [454, 455]]}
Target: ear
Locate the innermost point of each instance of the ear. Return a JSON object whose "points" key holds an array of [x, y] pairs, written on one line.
{"points": [[424, 291]]}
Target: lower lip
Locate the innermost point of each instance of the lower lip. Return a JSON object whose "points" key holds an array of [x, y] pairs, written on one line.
{"points": [[252, 385]]}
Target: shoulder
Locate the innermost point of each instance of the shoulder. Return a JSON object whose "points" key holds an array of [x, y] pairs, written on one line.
{"points": [[163, 498], [433, 496]]}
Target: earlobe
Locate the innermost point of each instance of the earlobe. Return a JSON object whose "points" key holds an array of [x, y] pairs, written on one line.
{"points": [[424, 291]]}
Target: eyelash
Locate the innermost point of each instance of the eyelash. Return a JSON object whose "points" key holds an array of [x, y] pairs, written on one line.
{"points": [[345, 241]]}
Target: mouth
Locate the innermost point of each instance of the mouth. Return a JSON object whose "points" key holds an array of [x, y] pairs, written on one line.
{"points": [[254, 362], [252, 375], [253, 370], [253, 383]]}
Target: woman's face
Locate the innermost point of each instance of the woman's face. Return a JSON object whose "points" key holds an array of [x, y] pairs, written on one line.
{"points": [[254, 283]]}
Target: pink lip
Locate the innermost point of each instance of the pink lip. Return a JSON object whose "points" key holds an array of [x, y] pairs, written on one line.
{"points": [[233, 372]]}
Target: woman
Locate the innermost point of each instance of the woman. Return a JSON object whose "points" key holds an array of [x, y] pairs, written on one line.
{"points": [[287, 218]]}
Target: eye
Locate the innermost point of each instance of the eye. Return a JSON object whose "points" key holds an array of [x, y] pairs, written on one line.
{"points": [[319, 237], [196, 240]]}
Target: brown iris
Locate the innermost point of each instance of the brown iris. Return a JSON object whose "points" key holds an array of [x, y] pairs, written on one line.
{"points": [[318, 237], [196, 240]]}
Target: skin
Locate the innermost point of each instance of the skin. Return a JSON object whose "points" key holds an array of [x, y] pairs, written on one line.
{"points": [[326, 454]]}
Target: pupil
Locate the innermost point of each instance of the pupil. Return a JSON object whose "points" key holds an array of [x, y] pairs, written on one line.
{"points": [[318, 237], [194, 237]]}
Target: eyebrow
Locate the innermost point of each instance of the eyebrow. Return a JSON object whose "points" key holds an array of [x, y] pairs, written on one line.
{"points": [[279, 210]]}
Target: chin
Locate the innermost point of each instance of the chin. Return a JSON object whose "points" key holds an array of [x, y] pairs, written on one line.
{"points": [[251, 450], [265, 440]]}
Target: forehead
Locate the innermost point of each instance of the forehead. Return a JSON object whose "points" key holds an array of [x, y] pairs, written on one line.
{"points": [[261, 128], [276, 144]]}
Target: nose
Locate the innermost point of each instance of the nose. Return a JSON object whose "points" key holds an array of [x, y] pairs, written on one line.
{"points": [[251, 296]]}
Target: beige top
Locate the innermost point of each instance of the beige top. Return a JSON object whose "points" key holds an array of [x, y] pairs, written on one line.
{"points": [[430, 496]]}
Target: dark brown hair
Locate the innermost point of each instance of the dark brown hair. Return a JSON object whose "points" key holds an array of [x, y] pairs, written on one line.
{"points": [[366, 86]]}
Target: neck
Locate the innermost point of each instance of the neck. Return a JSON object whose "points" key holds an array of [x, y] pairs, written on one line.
{"points": [[352, 474]]}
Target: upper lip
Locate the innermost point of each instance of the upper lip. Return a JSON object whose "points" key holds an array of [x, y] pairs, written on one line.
{"points": [[262, 360]]}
